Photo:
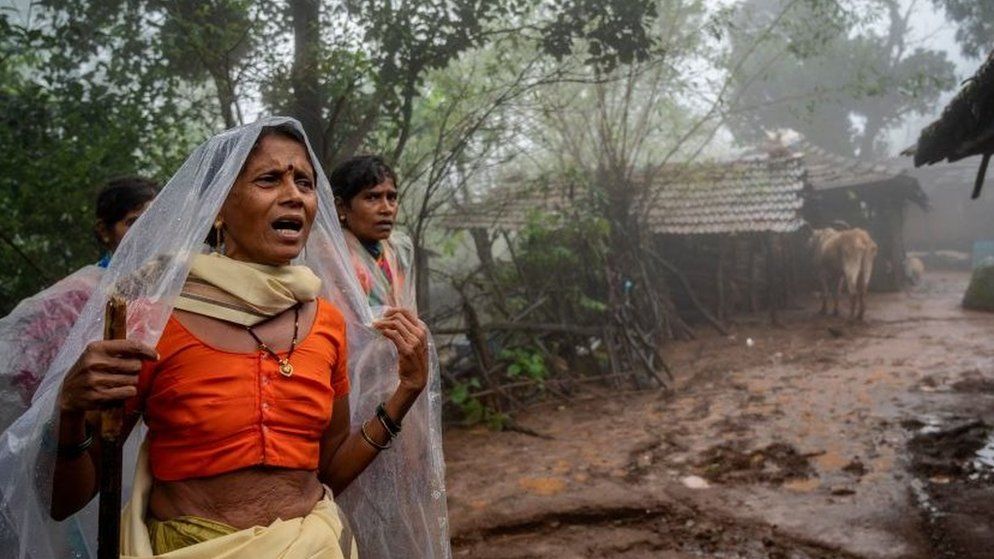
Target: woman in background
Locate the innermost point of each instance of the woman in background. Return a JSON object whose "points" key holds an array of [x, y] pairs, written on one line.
{"points": [[366, 197], [119, 205], [31, 334]]}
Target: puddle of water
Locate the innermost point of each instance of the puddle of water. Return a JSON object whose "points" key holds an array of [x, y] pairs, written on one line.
{"points": [[931, 423], [985, 456], [924, 499], [979, 465]]}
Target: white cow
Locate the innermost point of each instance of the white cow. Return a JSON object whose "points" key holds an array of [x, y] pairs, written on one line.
{"points": [[845, 257]]}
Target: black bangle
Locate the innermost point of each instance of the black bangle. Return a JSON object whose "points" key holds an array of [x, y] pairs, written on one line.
{"points": [[392, 427], [386, 428], [71, 451]]}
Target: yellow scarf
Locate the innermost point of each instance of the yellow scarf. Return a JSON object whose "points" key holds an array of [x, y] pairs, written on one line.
{"points": [[243, 292]]}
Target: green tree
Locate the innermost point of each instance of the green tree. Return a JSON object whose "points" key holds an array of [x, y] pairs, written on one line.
{"points": [[64, 132], [598, 135], [826, 74], [354, 72], [976, 21], [348, 70]]}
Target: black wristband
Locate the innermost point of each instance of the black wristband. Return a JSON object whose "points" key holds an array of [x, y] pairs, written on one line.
{"points": [[71, 451], [392, 427]]}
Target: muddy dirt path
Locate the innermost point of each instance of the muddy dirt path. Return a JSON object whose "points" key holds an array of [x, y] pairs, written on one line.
{"points": [[816, 440]]}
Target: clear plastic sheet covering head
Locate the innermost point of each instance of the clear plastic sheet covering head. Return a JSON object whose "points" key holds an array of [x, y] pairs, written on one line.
{"points": [[396, 507], [31, 335]]}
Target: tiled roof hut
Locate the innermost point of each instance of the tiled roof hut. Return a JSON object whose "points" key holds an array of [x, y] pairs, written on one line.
{"points": [[722, 226]]}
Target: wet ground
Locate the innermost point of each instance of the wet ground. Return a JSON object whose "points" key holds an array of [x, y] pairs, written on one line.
{"points": [[817, 440]]}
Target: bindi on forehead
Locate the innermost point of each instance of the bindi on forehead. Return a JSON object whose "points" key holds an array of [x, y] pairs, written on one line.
{"points": [[281, 165], [305, 170]]}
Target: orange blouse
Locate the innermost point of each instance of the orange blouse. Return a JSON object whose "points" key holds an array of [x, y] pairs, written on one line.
{"points": [[211, 411]]}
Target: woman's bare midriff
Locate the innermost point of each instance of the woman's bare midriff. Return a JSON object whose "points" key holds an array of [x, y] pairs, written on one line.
{"points": [[254, 496]]}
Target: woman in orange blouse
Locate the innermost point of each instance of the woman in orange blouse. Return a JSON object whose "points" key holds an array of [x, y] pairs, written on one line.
{"points": [[244, 395]]}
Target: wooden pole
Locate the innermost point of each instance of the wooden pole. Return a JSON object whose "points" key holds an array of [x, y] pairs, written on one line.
{"points": [[790, 265], [689, 290], [754, 255], [720, 280], [111, 421], [772, 278], [981, 174]]}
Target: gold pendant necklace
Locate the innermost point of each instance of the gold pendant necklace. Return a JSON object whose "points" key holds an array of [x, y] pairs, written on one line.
{"points": [[286, 368]]}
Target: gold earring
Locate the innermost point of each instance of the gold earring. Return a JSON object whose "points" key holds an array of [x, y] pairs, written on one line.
{"points": [[218, 236]]}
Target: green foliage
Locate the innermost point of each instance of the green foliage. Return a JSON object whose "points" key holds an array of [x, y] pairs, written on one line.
{"points": [[91, 90], [525, 362], [553, 274], [613, 32], [521, 363], [592, 305], [197, 38], [472, 409], [560, 259], [635, 115], [976, 24], [816, 67], [356, 84], [63, 134]]}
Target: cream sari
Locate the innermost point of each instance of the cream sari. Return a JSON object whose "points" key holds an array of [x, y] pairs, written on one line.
{"points": [[322, 534]]}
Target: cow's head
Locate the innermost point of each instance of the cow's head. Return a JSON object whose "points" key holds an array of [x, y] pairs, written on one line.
{"points": [[820, 236]]}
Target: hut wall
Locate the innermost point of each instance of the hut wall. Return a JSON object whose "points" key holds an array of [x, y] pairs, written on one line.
{"points": [[745, 280]]}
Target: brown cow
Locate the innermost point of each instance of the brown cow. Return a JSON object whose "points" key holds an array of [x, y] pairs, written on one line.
{"points": [[846, 255]]}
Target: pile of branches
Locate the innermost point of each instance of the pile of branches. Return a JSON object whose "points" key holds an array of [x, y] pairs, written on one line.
{"points": [[563, 308]]}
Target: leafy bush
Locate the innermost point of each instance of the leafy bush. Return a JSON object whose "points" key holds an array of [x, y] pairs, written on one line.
{"points": [[553, 274]]}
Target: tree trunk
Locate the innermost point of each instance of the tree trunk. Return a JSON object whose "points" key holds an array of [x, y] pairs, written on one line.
{"points": [[225, 96], [639, 306], [305, 16], [481, 240], [410, 92], [422, 280]]}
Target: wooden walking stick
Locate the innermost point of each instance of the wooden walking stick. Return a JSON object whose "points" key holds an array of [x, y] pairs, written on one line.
{"points": [[111, 421]]}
